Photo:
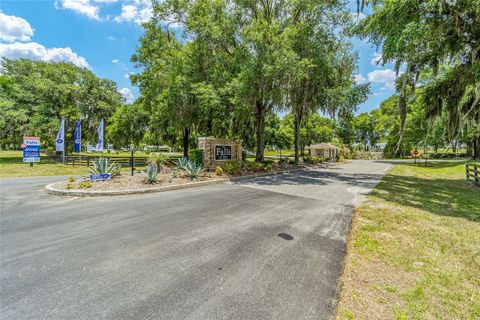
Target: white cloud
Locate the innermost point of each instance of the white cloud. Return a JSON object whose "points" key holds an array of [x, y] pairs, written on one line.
{"points": [[127, 75], [111, 38], [115, 61], [386, 77], [36, 51], [127, 94], [376, 59], [85, 7], [138, 11], [14, 28], [359, 79]]}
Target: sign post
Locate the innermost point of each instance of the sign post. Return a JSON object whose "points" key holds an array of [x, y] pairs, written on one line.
{"points": [[31, 150]]}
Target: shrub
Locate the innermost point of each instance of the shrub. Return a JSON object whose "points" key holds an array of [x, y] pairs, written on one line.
{"points": [[341, 159], [268, 166], [102, 166], [150, 173], [283, 161], [148, 151], [84, 184], [308, 160], [218, 170], [193, 170], [196, 155], [244, 155], [69, 186], [158, 160], [71, 179], [268, 161], [231, 167]]}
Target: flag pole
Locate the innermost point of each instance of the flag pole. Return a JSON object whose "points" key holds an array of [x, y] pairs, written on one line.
{"points": [[64, 144]]}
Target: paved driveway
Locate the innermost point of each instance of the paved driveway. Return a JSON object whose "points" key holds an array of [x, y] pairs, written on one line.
{"points": [[264, 248]]}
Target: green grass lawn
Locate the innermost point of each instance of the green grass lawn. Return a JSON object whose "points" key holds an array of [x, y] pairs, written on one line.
{"points": [[11, 165], [415, 248]]}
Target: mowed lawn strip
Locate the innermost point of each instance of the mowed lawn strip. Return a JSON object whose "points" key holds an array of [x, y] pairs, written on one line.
{"points": [[415, 248]]}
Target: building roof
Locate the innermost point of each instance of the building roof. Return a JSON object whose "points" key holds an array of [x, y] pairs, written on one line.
{"points": [[322, 145]]}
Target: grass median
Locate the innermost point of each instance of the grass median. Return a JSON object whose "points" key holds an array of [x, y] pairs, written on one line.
{"points": [[415, 248]]}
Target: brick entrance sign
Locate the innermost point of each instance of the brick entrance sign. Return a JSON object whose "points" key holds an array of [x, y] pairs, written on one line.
{"points": [[218, 150]]}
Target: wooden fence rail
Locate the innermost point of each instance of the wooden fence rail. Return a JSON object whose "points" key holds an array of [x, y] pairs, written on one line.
{"points": [[123, 161], [472, 171]]}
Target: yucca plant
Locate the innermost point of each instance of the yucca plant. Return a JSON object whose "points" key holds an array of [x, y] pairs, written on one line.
{"points": [[158, 160], [102, 166], [193, 170], [150, 174]]}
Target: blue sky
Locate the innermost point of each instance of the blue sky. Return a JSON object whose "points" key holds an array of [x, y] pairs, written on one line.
{"points": [[102, 35]]}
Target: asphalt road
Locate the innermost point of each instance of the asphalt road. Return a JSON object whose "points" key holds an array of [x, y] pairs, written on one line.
{"points": [[263, 248]]}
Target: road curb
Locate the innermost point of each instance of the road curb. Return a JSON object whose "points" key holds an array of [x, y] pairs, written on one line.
{"points": [[50, 188]]}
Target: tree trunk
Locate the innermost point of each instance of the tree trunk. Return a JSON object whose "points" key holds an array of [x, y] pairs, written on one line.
{"points": [[476, 149], [296, 133], [186, 134], [260, 132]]}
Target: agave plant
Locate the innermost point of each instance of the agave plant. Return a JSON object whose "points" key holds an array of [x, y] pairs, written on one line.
{"points": [[102, 166], [150, 174], [193, 170], [181, 163]]}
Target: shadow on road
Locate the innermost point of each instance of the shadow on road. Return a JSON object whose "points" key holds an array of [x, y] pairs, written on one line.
{"points": [[312, 177]]}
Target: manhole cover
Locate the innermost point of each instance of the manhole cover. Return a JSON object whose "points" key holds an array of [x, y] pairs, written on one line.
{"points": [[285, 236]]}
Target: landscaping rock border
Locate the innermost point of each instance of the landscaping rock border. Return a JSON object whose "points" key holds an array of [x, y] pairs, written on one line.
{"points": [[50, 188]]}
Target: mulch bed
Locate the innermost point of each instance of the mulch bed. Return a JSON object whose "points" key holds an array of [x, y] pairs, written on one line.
{"points": [[125, 181]]}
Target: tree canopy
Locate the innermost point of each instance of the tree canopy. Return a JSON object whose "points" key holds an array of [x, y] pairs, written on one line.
{"points": [[435, 44], [35, 95]]}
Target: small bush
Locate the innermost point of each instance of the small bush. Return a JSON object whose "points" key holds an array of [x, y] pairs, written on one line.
{"points": [[84, 184], [158, 160], [150, 174], [71, 179], [69, 186], [308, 160], [148, 151], [268, 166], [244, 155], [196, 155], [283, 161], [341, 159], [218, 171], [268, 161], [232, 167]]}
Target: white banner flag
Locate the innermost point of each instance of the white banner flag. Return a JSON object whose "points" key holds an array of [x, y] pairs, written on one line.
{"points": [[60, 142], [99, 146]]}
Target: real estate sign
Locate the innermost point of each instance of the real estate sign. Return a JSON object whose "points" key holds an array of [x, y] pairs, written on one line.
{"points": [[31, 149]]}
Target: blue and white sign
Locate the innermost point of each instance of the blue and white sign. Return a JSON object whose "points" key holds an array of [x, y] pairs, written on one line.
{"points": [[77, 136], [60, 141], [31, 149], [99, 146], [100, 177]]}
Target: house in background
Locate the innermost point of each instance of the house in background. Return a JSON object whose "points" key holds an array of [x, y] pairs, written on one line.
{"points": [[323, 150]]}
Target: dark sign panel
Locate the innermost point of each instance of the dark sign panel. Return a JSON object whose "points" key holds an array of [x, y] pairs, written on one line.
{"points": [[223, 153]]}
